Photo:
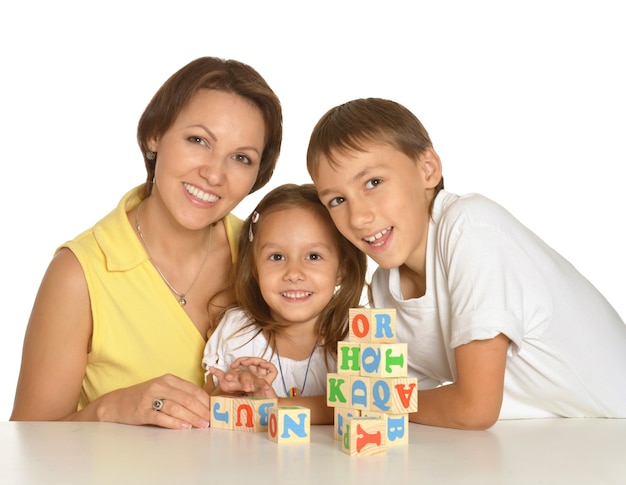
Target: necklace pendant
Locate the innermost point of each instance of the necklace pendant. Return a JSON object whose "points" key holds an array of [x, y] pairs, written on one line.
{"points": [[182, 301], [295, 392]]}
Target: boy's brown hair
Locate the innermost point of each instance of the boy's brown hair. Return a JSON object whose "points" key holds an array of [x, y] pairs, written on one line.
{"points": [[349, 126]]}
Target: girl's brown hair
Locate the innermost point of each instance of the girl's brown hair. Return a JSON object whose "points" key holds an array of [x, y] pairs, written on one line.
{"points": [[332, 325], [212, 73]]}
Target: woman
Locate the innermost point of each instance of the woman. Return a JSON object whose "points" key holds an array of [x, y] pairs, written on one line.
{"points": [[119, 325]]}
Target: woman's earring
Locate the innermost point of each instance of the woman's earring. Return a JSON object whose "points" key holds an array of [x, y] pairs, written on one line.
{"points": [[150, 155]]}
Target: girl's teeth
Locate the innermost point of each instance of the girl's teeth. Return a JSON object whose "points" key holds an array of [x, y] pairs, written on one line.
{"points": [[298, 294]]}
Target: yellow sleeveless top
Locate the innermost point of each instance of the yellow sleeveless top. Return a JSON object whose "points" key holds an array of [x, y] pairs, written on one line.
{"points": [[140, 331]]}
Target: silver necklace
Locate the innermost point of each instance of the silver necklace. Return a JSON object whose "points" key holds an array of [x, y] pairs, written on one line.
{"points": [[181, 296]]}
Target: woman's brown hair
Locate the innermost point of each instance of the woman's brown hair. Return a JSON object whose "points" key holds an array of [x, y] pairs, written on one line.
{"points": [[212, 73]]}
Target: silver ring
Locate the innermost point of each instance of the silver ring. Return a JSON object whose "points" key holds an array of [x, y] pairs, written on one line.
{"points": [[157, 404]]}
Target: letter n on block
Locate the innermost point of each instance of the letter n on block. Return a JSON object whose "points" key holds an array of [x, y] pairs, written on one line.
{"points": [[222, 412], [252, 413], [289, 424], [365, 436]]}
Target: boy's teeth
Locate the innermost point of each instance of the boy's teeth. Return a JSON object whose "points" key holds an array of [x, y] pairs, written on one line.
{"points": [[199, 194], [376, 236]]}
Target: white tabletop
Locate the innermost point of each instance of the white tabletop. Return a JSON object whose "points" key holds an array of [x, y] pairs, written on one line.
{"points": [[550, 451]]}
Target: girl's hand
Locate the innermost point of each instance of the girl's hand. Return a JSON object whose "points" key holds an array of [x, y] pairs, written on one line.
{"points": [[242, 381], [258, 367]]}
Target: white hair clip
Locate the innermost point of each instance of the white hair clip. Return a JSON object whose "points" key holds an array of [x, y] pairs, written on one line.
{"points": [[253, 220]]}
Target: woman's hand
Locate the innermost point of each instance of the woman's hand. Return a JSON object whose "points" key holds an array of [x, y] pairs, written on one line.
{"points": [[183, 404]]}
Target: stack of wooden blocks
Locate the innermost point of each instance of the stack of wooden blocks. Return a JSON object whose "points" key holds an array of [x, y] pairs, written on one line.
{"points": [[371, 391]]}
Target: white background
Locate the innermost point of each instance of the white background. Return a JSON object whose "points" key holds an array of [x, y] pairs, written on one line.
{"points": [[524, 101]]}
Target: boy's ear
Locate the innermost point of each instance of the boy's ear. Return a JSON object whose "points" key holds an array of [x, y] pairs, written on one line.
{"points": [[431, 164]]}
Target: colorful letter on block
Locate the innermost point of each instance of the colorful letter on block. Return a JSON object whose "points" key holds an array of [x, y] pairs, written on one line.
{"points": [[384, 360], [360, 392], [395, 395], [365, 436], [383, 322], [252, 413], [222, 412], [289, 424], [337, 390], [359, 325], [397, 426], [341, 417], [349, 358]]}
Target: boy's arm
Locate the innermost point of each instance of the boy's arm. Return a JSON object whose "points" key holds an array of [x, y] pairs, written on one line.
{"points": [[474, 400]]}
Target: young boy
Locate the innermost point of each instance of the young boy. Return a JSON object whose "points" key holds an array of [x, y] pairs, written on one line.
{"points": [[498, 324]]}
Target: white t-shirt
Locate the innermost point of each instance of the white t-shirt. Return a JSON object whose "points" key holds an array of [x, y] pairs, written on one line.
{"points": [[488, 274], [228, 343]]}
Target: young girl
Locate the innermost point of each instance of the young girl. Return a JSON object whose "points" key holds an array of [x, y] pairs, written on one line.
{"points": [[296, 279], [498, 324]]}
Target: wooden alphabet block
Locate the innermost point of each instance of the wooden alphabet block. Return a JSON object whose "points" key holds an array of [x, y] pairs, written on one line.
{"points": [[397, 426], [349, 358], [359, 324], [222, 412], [337, 390], [384, 325], [289, 424], [365, 436], [251, 413], [341, 417]]}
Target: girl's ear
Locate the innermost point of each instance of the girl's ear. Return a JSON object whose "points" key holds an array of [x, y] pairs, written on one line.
{"points": [[338, 282], [431, 165]]}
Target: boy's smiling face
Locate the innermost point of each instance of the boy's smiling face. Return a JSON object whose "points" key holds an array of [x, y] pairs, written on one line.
{"points": [[379, 199]]}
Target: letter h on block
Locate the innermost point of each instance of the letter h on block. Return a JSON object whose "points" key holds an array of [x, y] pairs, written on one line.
{"points": [[289, 424]]}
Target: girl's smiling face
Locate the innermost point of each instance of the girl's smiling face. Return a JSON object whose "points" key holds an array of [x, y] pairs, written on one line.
{"points": [[297, 264], [379, 199]]}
